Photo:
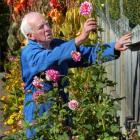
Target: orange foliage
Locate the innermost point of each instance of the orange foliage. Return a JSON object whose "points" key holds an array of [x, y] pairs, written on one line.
{"points": [[18, 6], [55, 15]]}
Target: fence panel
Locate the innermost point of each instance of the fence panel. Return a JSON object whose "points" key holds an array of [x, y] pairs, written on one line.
{"points": [[126, 70]]}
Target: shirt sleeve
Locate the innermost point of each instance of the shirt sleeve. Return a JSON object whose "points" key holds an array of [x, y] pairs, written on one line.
{"points": [[89, 54], [39, 59]]}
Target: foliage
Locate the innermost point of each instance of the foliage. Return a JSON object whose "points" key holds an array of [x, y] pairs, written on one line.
{"points": [[17, 135], [93, 118], [131, 10], [13, 101], [4, 24]]}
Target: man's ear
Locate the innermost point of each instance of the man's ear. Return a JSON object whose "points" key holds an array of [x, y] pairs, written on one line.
{"points": [[31, 36]]}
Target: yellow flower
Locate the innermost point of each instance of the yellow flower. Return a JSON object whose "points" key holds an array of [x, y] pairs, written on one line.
{"points": [[19, 116], [3, 98], [13, 115], [5, 108], [7, 132], [10, 121], [21, 107], [13, 130]]}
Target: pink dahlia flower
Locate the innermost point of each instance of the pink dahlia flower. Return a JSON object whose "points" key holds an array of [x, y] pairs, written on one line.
{"points": [[37, 82], [37, 94], [52, 75], [73, 104], [86, 8], [76, 56]]}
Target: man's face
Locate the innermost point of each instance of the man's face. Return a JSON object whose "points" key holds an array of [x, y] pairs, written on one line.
{"points": [[42, 32]]}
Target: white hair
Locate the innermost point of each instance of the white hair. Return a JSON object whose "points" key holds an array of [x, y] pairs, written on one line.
{"points": [[25, 26]]}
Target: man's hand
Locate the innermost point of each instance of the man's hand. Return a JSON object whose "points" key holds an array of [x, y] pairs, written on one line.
{"points": [[121, 44], [89, 25]]}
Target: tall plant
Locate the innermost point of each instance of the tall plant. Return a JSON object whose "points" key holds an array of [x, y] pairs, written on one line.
{"points": [[89, 114]]}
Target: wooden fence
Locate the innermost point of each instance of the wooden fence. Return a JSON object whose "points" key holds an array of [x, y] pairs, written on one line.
{"points": [[126, 70]]}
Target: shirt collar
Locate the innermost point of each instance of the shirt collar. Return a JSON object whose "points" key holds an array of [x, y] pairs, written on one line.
{"points": [[52, 44], [33, 42]]}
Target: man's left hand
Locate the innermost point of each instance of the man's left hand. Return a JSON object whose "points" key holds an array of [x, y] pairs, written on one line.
{"points": [[121, 44]]}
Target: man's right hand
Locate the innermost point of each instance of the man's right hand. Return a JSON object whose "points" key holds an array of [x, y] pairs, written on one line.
{"points": [[89, 26]]}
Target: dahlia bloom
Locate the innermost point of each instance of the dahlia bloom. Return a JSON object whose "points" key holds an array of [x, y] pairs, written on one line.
{"points": [[52, 75], [76, 56], [37, 94], [86, 8], [13, 59], [73, 104], [37, 82]]}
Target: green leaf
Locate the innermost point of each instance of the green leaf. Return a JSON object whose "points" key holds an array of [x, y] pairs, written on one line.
{"points": [[115, 128], [81, 137], [63, 137], [88, 126]]}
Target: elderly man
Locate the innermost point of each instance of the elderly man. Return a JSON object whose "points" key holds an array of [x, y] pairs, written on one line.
{"points": [[43, 53]]}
